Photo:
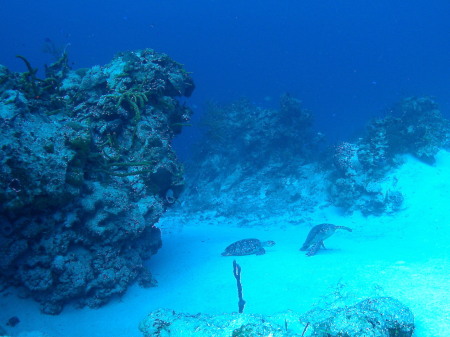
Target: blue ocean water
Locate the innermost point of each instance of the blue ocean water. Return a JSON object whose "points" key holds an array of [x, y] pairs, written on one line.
{"points": [[347, 60]]}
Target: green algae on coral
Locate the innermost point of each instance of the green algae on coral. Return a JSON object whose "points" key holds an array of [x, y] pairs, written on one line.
{"points": [[134, 101]]}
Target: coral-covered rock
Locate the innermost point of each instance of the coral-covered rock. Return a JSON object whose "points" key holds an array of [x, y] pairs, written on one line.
{"points": [[379, 316], [415, 127], [86, 165], [256, 136], [253, 158], [255, 162]]}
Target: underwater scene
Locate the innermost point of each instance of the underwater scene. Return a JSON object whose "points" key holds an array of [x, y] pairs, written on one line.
{"points": [[225, 168]]}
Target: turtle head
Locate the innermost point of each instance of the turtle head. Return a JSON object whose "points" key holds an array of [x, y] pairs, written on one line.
{"points": [[268, 243]]}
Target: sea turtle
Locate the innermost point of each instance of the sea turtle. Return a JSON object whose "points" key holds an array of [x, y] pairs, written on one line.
{"points": [[317, 235], [247, 247]]}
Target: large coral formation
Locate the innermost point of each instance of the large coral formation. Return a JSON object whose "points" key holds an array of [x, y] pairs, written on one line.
{"points": [[255, 162], [414, 126], [86, 163], [258, 136]]}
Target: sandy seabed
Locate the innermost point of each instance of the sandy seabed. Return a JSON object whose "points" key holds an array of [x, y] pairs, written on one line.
{"points": [[406, 256]]}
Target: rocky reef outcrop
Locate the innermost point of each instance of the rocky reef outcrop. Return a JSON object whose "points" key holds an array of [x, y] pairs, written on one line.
{"points": [[254, 136], [87, 169], [255, 162], [414, 126], [378, 316]]}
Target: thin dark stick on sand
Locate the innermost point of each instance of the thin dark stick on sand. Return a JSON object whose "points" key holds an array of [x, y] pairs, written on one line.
{"points": [[237, 276], [306, 328]]}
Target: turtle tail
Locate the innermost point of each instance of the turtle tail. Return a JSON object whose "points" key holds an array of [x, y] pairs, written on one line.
{"points": [[343, 227]]}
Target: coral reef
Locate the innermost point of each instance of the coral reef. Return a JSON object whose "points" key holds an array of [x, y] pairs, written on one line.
{"points": [[256, 163], [253, 158], [257, 136], [414, 126], [378, 316], [87, 169]]}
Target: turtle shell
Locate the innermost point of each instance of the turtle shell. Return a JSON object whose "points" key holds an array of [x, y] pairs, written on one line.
{"points": [[318, 234], [244, 247]]}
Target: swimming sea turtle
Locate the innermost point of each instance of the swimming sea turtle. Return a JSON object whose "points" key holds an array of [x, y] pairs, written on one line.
{"points": [[317, 235], [247, 247]]}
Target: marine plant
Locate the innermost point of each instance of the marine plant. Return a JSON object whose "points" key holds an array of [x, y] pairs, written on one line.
{"points": [[35, 87], [135, 101], [29, 78]]}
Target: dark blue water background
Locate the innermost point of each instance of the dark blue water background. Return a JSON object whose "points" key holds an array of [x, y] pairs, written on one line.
{"points": [[347, 61]]}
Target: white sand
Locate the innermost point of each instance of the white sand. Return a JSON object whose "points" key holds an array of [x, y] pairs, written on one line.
{"points": [[406, 256]]}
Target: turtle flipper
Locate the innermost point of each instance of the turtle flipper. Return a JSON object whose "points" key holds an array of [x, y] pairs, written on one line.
{"points": [[314, 248], [261, 251]]}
